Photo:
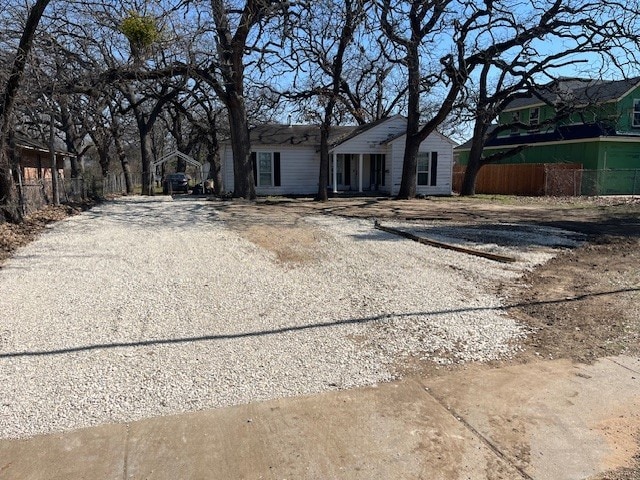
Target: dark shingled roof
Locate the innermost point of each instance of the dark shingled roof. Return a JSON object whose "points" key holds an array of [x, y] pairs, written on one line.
{"points": [[25, 141], [565, 132], [276, 134], [578, 92]]}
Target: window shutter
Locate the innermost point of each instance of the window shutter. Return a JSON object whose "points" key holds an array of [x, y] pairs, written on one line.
{"points": [[254, 164], [434, 168], [276, 169], [347, 169]]}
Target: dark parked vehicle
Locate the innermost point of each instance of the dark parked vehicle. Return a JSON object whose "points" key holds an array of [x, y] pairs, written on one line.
{"points": [[175, 182]]}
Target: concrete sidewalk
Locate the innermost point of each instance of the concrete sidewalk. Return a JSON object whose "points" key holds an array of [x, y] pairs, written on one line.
{"points": [[547, 420]]}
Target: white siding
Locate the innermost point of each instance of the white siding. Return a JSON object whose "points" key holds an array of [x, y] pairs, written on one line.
{"points": [[434, 143], [370, 141], [227, 168], [299, 170]]}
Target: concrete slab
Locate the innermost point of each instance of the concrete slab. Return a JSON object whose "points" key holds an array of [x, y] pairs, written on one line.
{"points": [[90, 453], [552, 419], [544, 420], [631, 363], [393, 431]]}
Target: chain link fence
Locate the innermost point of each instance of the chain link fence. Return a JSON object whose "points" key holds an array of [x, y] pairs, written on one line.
{"points": [[576, 182]]}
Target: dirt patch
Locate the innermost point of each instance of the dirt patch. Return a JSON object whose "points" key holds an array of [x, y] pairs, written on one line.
{"points": [[280, 231], [290, 244], [583, 304]]}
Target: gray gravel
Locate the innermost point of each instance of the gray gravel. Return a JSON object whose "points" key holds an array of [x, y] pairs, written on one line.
{"points": [[144, 307]]}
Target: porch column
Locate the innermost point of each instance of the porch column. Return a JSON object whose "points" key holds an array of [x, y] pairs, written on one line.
{"points": [[360, 172], [335, 172]]}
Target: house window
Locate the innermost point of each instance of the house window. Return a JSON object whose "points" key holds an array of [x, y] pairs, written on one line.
{"points": [[423, 168], [636, 113], [427, 168], [514, 120], [266, 168], [534, 116]]}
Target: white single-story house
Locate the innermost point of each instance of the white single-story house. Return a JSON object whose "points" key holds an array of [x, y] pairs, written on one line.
{"points": [[366, 158]]}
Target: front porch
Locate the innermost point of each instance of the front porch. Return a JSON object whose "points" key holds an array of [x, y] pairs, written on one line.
{"points": [[358, 173]]}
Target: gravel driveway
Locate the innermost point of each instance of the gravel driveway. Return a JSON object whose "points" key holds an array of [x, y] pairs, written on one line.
{"points": [[143, 307]]}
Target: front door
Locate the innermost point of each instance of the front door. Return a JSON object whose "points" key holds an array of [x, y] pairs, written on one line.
{"points": [[377, 172], [344, 170]]}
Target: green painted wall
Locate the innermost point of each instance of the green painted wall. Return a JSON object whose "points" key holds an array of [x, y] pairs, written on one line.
{"points": [[614, 164], [586, 154], [618, 113], [625, 113]]}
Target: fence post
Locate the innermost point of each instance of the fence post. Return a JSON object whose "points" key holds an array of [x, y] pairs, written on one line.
{"points": [[635, 182], [546, 180]]}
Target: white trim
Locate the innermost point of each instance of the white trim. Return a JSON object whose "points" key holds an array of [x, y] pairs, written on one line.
{"points": [[360, 170], [428, 171], [335, 172], [628, 92], [634, 111], [541, 104], [441, 135], [272, 181]]}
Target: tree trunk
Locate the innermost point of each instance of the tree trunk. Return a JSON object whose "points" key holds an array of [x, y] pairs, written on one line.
{"points": [[9, 202], [124, 162], [215, 171], [475, 158], [9, 198], [146, 154], [323, 177], [408, 184], [469, 181], [243, 181], [55, 190]]}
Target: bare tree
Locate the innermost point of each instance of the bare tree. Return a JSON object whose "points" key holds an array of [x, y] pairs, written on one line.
{"points": [[460, 37], [205, 117], [235, 37], [9, 209], [608, 37], [324, 33]]}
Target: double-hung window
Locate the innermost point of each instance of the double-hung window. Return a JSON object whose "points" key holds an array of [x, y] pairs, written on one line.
{"points": [[427, 168], [515, 119], [635, 121], [534, 118], [265, 169], [423, 168]]}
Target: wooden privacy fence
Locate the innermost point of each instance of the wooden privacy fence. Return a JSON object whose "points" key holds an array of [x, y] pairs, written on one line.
{"points": [[519, 179]]}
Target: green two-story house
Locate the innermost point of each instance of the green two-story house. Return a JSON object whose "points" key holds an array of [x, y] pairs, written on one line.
{"points": [[598, 131]]}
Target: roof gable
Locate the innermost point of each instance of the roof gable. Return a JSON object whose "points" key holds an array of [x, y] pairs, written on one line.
{"points": [[435, 132], [369, 127]]}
